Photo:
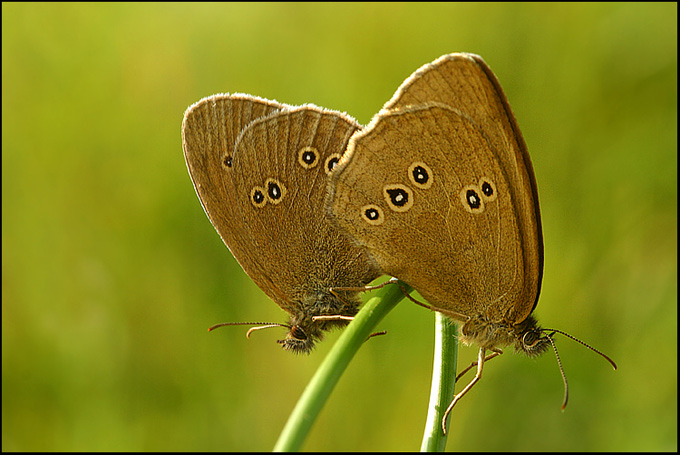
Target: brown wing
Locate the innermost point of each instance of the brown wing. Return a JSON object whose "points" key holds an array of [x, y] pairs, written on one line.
{"points": [[209, 132], [466, 82], [284, 161], [465, 252]]}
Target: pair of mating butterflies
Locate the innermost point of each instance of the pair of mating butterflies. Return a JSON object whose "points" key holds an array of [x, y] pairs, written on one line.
{"points": [[438, 191]]}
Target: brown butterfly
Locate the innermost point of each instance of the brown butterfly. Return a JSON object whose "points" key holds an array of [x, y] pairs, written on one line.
{"points": [[440, 189], [260, 169]]}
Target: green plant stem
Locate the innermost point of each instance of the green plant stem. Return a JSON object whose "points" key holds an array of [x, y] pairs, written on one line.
{"points": [[320, 387], [443, 383]]}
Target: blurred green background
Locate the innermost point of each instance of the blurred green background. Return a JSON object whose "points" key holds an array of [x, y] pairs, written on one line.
{"points": [[111, 272]]}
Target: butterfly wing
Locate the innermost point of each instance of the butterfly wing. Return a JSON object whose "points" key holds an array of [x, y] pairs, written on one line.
{"points": [[209, 132], [465, 80], [440, 189], [283, 162]]}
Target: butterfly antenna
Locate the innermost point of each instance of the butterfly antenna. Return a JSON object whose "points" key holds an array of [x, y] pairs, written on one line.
{"points": [[559, 364], [613, 364]]}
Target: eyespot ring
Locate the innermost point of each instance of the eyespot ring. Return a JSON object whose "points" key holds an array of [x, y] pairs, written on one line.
{"points": [[331, 162], [372, 214], [487, 189], [258, 197], [471, 199], [308, 157], [420, 175], [275, 190], [398, 197]]}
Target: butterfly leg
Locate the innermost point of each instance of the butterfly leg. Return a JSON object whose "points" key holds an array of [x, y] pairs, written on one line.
{"points": [[337, 317], [362, 288], [480, 365], [334, 290], [451, 314], [495, 353], [333, 317]]}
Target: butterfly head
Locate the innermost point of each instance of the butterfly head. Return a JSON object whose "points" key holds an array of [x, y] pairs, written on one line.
{"points": [[325, 312], [297, 340], [531, 339]]}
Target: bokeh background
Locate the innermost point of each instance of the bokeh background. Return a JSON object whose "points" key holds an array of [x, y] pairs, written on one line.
{"points": [[111, 272]]}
